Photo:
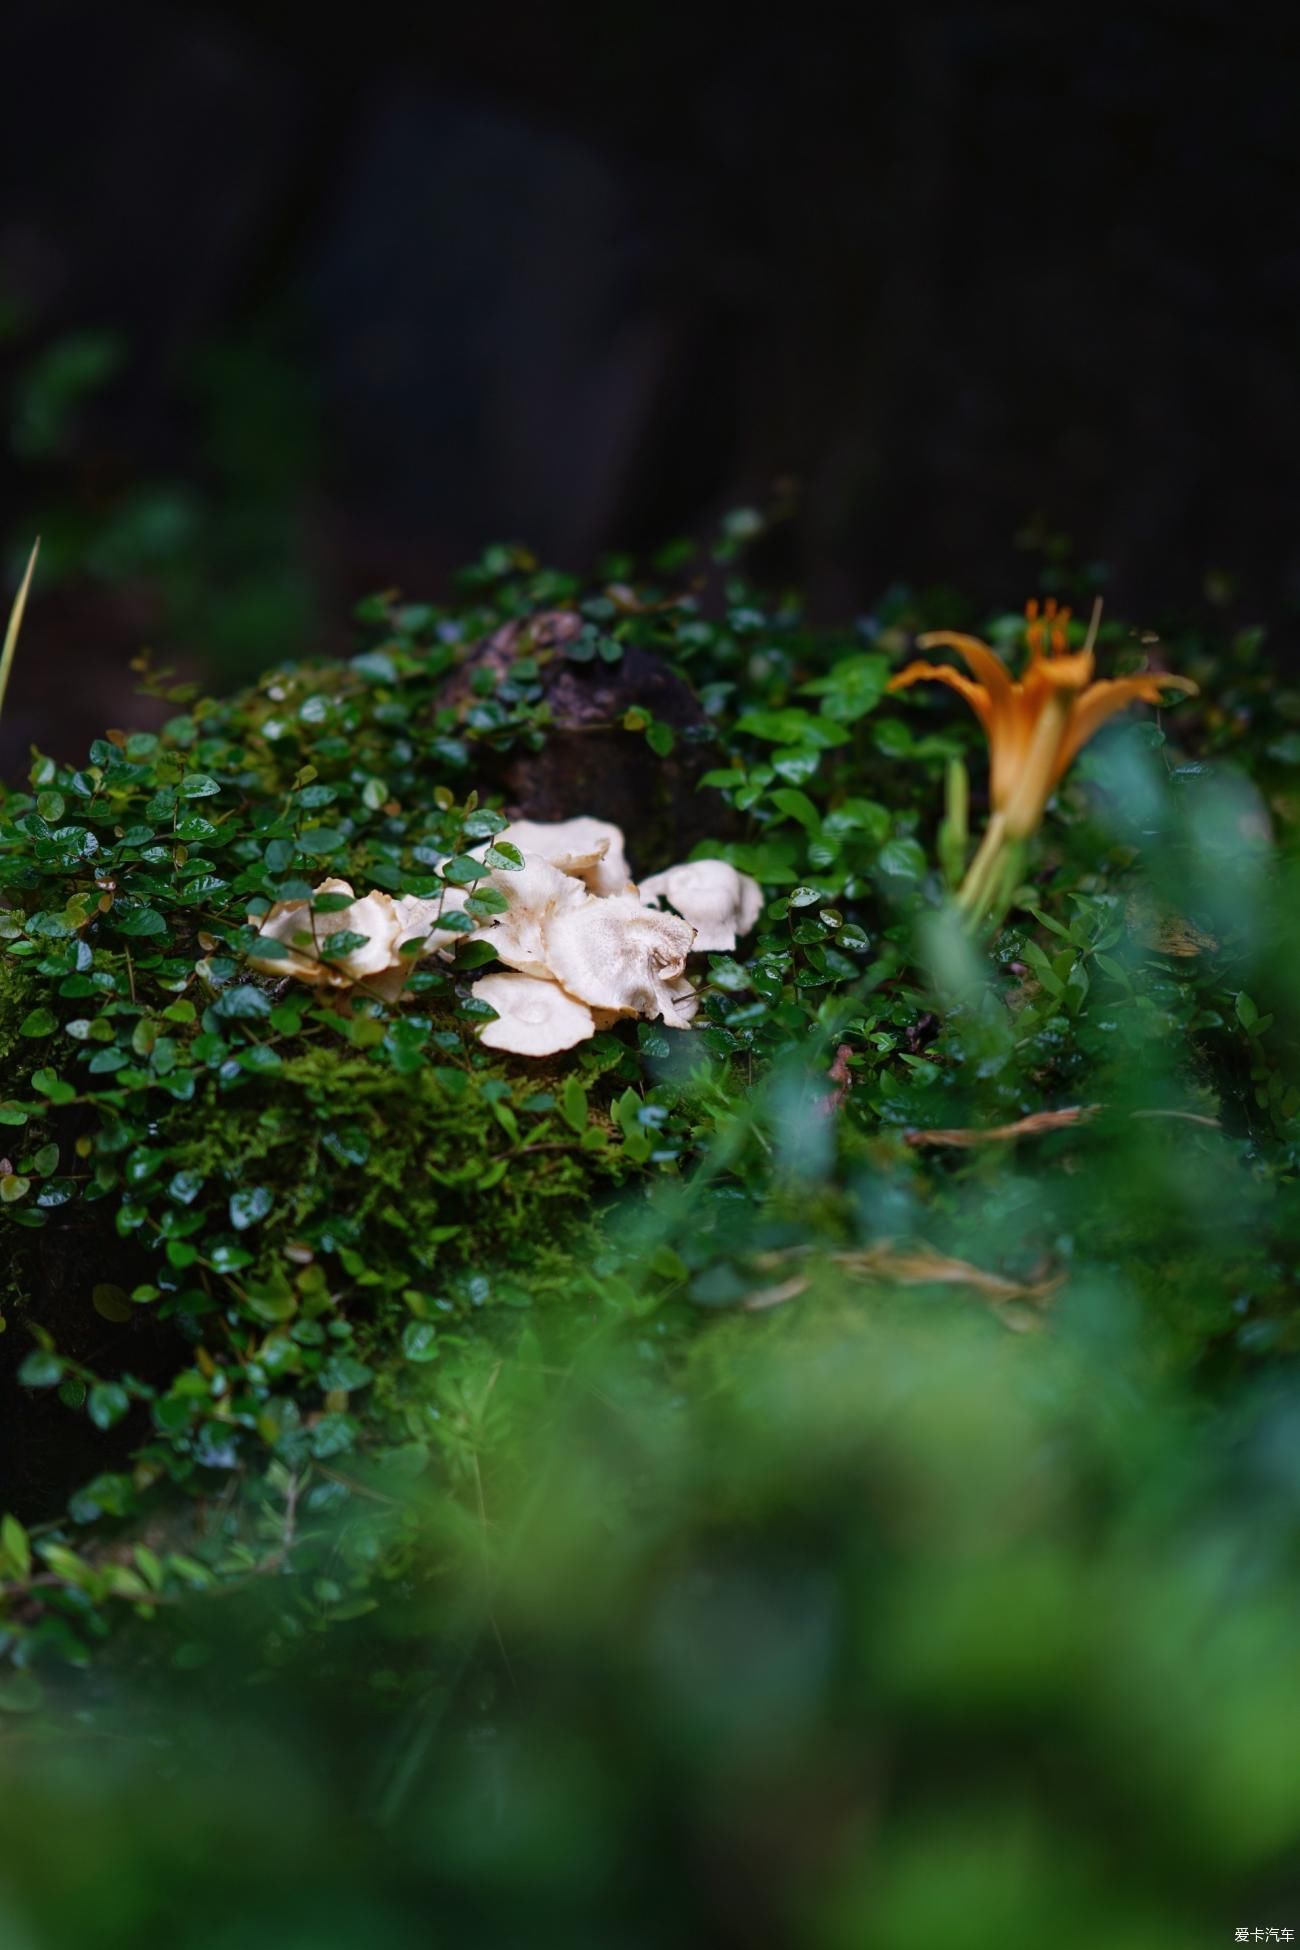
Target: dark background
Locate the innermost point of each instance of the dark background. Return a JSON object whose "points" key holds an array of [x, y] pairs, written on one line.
{"points": [[293, 308]]}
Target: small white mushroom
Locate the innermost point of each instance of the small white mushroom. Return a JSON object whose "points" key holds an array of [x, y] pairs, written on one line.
{"points": [[616, 954], [679, 1001], [720, 903], [418, 920], [304, 933], [534, 1018], [537, 893], [590, 849], [373, 915]]}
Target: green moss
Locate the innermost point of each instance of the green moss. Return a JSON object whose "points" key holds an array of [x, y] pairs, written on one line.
{"points": [[435, 1172]]}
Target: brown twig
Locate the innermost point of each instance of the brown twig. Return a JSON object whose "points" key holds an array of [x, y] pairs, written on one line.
{"points": [[914, 1266], [1034, 1125]]}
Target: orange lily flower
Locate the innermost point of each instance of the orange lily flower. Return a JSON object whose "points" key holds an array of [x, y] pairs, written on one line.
{"points": [[1035, 724]]}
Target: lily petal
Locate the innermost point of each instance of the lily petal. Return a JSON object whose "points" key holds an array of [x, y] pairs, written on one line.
{"points": [[975, 694], [985, 663], [1101, 701]]}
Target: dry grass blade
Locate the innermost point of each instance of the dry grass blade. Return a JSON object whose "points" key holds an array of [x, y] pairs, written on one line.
{"points": [[775, 1296], [1184, 1116], [1016, 1300], [1032, 1126], [16, 623], [921, 1266]]}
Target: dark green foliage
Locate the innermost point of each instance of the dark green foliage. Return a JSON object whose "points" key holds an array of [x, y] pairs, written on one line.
{"points": [[217, 549]]}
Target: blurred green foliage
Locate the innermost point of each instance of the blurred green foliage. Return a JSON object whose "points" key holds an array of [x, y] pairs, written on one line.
{"points": [[215, 553], [654, 1497]]}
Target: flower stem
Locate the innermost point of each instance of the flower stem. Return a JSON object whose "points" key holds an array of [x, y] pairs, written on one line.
{"points": [[973, 892], [985, 894], [954, 834]]}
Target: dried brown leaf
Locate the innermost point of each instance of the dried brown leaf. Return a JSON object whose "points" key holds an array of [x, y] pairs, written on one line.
{"points": [[1164, 931]]}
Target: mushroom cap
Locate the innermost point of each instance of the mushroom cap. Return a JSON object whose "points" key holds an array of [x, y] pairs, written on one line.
{"points": [[681, 999], [373, 915], [286, 921], [538, 893], [390, 985], [590, 849], [616, 954], [678, 1002], [720, 903], [418, 919], [534, 1018]]}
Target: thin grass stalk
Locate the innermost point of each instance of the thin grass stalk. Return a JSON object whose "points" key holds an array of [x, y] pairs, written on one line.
{"points": [[16, 623]]}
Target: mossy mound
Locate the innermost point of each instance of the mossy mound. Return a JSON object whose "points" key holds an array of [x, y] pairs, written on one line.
{"points": [[262, 1247], [238, 1212]]}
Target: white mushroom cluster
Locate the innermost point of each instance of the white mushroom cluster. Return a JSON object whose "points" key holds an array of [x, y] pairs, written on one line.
{"points": [[386, 925], [582, 944]]}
